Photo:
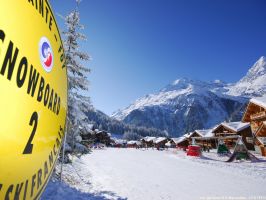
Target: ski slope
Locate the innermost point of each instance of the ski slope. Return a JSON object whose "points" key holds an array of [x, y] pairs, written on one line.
{"points": [[150, 174]]}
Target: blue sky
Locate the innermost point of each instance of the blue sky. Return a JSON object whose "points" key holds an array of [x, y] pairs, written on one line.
{"points": [[139, 46]]}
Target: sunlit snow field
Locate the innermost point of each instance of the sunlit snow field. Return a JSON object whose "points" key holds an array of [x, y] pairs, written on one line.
{"points": [[139, 174]]}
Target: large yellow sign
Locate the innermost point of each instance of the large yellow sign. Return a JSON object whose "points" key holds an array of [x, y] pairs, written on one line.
{"points": [[33, 97]]}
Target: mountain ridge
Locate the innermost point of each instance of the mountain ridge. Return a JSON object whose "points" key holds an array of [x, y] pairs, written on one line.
{"points": [[187, 104]]}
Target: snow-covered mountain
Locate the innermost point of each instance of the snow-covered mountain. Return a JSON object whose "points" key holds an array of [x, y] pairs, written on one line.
{"points": [[186, 105], [254, 83]]}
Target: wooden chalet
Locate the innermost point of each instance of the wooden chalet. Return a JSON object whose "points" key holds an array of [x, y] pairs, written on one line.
{"points": [[195, 133], [119, 143], [133, 144], [205, 138], [256, 114], [181, 142], [227, 129], [170, 143], [103, 137], [160, 142], [148, 141]]}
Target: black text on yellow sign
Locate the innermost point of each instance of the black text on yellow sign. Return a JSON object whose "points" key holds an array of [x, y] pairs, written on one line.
{"points": [[33, 101]]}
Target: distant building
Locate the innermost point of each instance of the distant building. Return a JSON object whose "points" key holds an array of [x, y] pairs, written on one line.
{"points": [[202, 138], [242, 129], [119, 143], [181, 142], [205, 138], [160, 142], [148, 141], [102, 137], [133, 144]]}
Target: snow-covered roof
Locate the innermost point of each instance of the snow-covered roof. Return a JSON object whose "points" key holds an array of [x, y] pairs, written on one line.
{"points": [[180, 139], [261, 101], [236, 126], [187, 135], [209, 134], [119, 141], [149, 139], [168, 144], [175, 139], [204, 132], [160, 139], [132, 142]]}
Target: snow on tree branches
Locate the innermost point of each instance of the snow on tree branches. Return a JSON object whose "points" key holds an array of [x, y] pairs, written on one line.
{"points": [[77, 72]]}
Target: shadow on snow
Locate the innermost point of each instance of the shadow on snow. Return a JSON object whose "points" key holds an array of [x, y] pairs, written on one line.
{"points": [[56, 190]]}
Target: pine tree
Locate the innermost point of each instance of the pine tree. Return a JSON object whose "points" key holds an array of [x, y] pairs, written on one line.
{"points": [[78, 103]]}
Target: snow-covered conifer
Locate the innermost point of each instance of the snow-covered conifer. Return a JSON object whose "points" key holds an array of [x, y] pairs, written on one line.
{"points": [[78, 102]]}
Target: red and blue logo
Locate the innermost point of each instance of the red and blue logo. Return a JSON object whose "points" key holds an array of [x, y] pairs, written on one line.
{"points": [[46, 54]]}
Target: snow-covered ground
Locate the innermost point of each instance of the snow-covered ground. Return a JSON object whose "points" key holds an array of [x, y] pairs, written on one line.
{"points": [[150, 174]]}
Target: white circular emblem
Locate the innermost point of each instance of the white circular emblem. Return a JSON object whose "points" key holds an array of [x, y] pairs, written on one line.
{"points": [[46, 54]]}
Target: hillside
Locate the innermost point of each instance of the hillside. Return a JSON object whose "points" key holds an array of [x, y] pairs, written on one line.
{"points": [[103, 122], [187, 104]]}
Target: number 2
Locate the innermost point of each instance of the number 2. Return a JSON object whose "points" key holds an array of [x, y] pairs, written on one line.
{"points": [[34, 123]]}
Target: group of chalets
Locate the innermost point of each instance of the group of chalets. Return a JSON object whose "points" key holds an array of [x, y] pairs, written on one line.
{"points": [[237, 140]]}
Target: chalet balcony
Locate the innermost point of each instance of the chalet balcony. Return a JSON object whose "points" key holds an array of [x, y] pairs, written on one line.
{"points": [[258, 116], [224, 134]]}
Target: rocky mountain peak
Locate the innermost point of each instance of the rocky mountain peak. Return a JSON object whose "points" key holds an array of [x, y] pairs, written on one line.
{"points": [[258, 69], [253, 83]]}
